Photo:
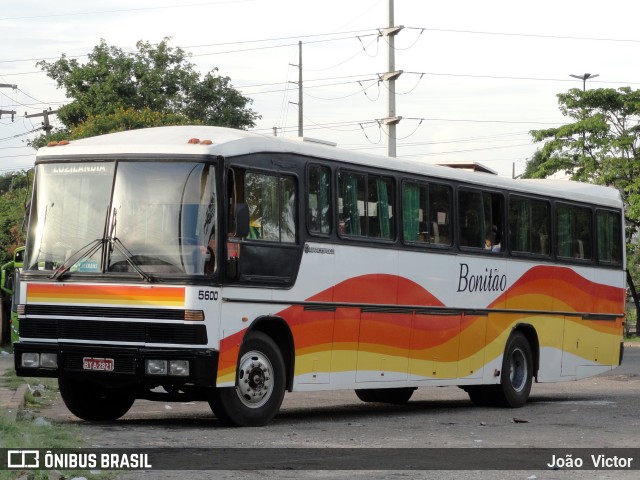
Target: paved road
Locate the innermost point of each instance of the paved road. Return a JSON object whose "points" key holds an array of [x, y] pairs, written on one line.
{"points": [[601, 412]]}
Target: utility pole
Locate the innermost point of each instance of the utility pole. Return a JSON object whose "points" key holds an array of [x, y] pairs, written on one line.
{"points": [[300, 105], [390, 79], [46, 126], [8, 112]]}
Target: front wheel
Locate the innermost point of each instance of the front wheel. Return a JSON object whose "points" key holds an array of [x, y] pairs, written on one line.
{"points": [[93, 402], [260, 385]]}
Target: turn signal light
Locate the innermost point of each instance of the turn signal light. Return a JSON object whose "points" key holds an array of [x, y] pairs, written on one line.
{"points": [[194, 315]]}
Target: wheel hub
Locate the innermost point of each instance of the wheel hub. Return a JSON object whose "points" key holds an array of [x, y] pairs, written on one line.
{"points": [[518, 370], [255, 382]]}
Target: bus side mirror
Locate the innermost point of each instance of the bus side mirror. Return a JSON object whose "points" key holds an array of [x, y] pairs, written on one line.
{"points": [[241, 220]]}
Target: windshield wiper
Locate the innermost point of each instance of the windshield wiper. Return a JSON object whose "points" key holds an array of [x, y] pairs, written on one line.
{"points": [[128, 256], [83, 252]]}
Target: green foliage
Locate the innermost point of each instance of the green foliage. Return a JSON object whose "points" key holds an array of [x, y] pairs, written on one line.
{"points": [[600, 146], [125, 119], [15, 190], [157, 81]]}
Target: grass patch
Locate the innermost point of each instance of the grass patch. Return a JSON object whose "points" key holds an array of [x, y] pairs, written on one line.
{"points": [[632, 339], [31, 431]]}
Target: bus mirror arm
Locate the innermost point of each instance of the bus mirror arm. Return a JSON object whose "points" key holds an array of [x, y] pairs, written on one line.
{"points": [[241, 220]]}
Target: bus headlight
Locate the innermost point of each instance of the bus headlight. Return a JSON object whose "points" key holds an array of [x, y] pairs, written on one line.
{"points": [[156, 367], [179, 368], [30, 360], [49, 360]]}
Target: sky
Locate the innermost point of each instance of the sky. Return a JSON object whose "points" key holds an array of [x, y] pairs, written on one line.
{"points": [[477, 76]]}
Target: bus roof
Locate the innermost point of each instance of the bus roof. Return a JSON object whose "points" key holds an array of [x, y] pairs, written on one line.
{"points": [[231, 142]]}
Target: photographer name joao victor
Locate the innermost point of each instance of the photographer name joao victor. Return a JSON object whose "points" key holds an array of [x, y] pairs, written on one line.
{"points": [[597, 461]]}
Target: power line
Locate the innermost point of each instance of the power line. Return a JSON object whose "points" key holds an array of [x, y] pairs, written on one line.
{"points": [[534, 35], [466, 151], [240, 42], [102, 12]]}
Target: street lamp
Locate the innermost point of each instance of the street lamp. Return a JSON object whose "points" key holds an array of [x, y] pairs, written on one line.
{"points": [[584, 78]]}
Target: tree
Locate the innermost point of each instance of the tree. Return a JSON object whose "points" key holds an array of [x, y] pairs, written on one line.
{"points": [[600, 145], [156, 82], [14, 195]]}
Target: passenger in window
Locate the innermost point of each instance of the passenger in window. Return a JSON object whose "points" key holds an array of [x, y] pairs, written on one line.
{"points": [[491, 242], [342, 225]]}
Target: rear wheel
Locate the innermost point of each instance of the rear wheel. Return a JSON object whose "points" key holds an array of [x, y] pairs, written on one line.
{"points": [[260, 385], [516, 377], [93, 402], [517, 373]]}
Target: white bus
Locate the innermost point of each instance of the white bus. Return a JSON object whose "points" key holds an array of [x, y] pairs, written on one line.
{"points": [[203, 263]]}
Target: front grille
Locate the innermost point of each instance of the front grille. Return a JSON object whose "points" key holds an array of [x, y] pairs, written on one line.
{"points": [[120, 331], [105, 312]]}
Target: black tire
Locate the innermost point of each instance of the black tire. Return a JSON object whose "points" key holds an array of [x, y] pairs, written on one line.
{"points": [[517, 373], [386, 395], [260, 385], [516, 377], [93, 402]]}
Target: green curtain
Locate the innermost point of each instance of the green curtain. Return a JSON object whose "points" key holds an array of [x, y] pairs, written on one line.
{"points": [[411, 212], [606, 225], [383, 208], [565, 247], [349, 192], [524, 227], [323, 202]]}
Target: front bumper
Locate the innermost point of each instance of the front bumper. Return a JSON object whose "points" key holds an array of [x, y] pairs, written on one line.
{"points": [[128, 364]]}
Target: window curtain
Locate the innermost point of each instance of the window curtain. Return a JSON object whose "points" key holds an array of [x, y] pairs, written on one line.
{"points": [[323, 202], [411, 212], [524, 226], [564, 232], [607, 237], [350, 204], [383, 208]]}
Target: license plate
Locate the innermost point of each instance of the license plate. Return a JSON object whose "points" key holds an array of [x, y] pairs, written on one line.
{"points": [[99, 364]]}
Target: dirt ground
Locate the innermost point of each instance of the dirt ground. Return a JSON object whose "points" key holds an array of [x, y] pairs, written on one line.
{"points": [[600, 412]]}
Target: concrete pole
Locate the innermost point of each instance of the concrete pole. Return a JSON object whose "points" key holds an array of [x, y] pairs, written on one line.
{"points": [[391, 93]]}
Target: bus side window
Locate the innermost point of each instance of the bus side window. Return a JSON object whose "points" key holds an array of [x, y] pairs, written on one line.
{"points": [[573, 230], [609, 237], [272, 205]]}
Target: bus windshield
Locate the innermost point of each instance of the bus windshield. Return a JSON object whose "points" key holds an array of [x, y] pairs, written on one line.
{"points": [[154, 217]]}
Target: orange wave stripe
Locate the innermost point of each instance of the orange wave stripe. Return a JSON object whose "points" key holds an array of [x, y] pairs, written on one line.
{"points": [[105, 294], [423, 336]]}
